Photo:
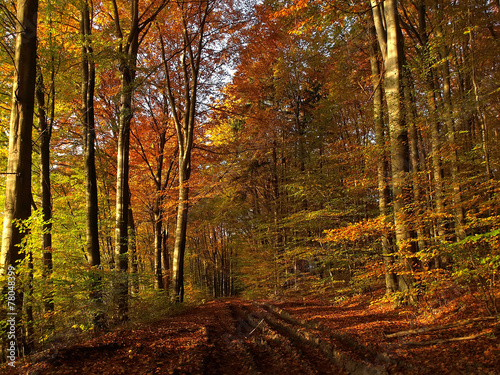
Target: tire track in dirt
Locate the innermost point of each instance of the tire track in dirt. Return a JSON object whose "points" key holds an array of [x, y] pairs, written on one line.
{"points": [[231, 337], [354, 360], [243, 342], [353, 357]]}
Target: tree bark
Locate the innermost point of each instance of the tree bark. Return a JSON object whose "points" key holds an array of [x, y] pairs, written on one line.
{"points": [[184, 114], [450, 131], [158, 251], [180, 233], [133, 252], [18, 197], [165, 259], [158, 212], [127, 55], [18, 184], [91, 196], [45, 129], [128, 60], [382, 167], [390, 38], [88, 87]]}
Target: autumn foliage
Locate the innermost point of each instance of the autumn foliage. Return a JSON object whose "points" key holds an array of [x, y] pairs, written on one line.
{"points": [[269, 152]]}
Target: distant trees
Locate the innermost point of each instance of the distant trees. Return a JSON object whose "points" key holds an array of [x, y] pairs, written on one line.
{"points": [[400, 113]]}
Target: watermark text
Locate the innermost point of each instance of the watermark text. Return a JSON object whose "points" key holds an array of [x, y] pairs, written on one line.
{"points": [[11, 316]]}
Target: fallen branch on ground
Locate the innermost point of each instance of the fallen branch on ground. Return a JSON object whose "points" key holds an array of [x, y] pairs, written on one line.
{"points": [[438, 328], [442, 341]]}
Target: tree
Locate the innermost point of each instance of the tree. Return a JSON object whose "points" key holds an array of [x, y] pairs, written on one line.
{"points": [[193, 20], [389, 37], [128, 47], [382, 167], [18, 198], [154, 144], [18, 188], [88, 121], [45, 128]]}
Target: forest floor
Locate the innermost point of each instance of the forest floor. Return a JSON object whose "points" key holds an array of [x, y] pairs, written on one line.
{"points": [[293, 336]]}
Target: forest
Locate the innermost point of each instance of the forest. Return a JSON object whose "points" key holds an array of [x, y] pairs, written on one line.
{"points": [[158, 153]]}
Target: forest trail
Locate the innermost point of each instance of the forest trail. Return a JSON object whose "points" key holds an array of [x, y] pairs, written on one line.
{"points": [[232, 337]]}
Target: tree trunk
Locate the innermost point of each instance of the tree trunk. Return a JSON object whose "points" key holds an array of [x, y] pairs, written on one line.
{"points": [[45, 135], [18, 185], [382, 167], [158, 250], [390, 38], [158, 213], [165, 259], [128, 59], [133, 252], [450, 131], [184, 120], [436, 161], [91, 194], [92, 229], [122, 203], [180, 232], [417, 227], [88, 87]]}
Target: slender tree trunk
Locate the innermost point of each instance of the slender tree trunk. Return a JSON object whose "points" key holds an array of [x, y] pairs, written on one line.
{"points": [[134, 269], [165, 259], [29, 339], [91, 196], [122, 203], [158, 251], [88, 88], [480, 114], [127, 55], [158, 213], [450, 131], [45, 135], [383, 186], [184, 125], [180, 236], [390, 38], [417, 227], [437, 171], [128, 60]]}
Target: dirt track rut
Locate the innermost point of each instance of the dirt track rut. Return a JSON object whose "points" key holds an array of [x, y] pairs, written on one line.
{"points": [[219, 338]]}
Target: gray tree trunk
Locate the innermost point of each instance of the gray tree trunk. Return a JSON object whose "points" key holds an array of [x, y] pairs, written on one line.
{"points": [[127, 51], [18, 184], [184, 115], [180, 233], [382, 167], [18, 196], [390, 40]]}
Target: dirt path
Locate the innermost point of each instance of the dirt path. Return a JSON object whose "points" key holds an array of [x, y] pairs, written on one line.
{"points": [[240, 337], [217, 338]]}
